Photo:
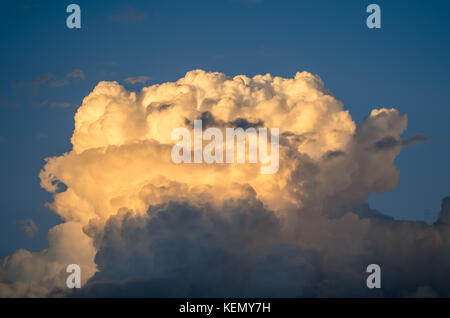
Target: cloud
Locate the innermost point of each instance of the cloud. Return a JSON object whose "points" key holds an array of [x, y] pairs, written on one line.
{"points": [[138, 223], [29, 227], [137, 80], [244, 250], [417, 138], [387, 143], [43, 78], [75, 74], [40, 274], [392, 142], [198, 252], [2, 139], [130, 15], [61, 105]]}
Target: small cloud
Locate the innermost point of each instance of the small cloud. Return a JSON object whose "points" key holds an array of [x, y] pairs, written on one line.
{"points": [[417, 138], [76, 73], [2, 139], [392, 142], [137, 80], [61, 105], [43, 78], [130, 15], [29, 227]]}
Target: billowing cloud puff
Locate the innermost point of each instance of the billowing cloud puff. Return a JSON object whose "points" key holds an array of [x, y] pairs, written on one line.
{"points": [[243, 250], [301, 231], [40, 274]]}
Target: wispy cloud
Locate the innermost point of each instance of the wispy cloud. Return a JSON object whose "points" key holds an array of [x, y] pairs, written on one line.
{"points": [[137, 80], [61, 105], [417, 138], [29, 227], [43, 78], [76, 73], [392, 142]]}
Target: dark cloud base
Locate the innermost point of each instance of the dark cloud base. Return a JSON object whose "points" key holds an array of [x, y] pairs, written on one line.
{"points": [[244, 250]]}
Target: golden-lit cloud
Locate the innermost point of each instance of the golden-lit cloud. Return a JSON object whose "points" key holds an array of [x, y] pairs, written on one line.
{"points": [[121, 163]]}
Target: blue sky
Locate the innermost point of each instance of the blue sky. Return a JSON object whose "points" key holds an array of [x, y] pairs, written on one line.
{"points": [[405, 65]]}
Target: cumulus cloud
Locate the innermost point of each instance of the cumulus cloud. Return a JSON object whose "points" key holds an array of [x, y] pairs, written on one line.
{"points": [[198, 251], [143, 222], [243, 250], [41, 274]]}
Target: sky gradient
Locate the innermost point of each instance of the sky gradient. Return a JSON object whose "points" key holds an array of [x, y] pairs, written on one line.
{"points": [[47, 70]]}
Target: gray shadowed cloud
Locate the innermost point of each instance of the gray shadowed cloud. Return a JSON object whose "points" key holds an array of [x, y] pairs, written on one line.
{"points": [[392, 142], [333, 154], [415, 139], [178, 250], [244, 250]]}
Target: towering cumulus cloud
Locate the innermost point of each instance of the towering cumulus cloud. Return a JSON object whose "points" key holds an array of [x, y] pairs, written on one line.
{"points": [[139, 224]]}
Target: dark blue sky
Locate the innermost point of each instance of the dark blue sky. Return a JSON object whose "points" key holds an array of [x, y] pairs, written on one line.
{"points": [[405, 65]]}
